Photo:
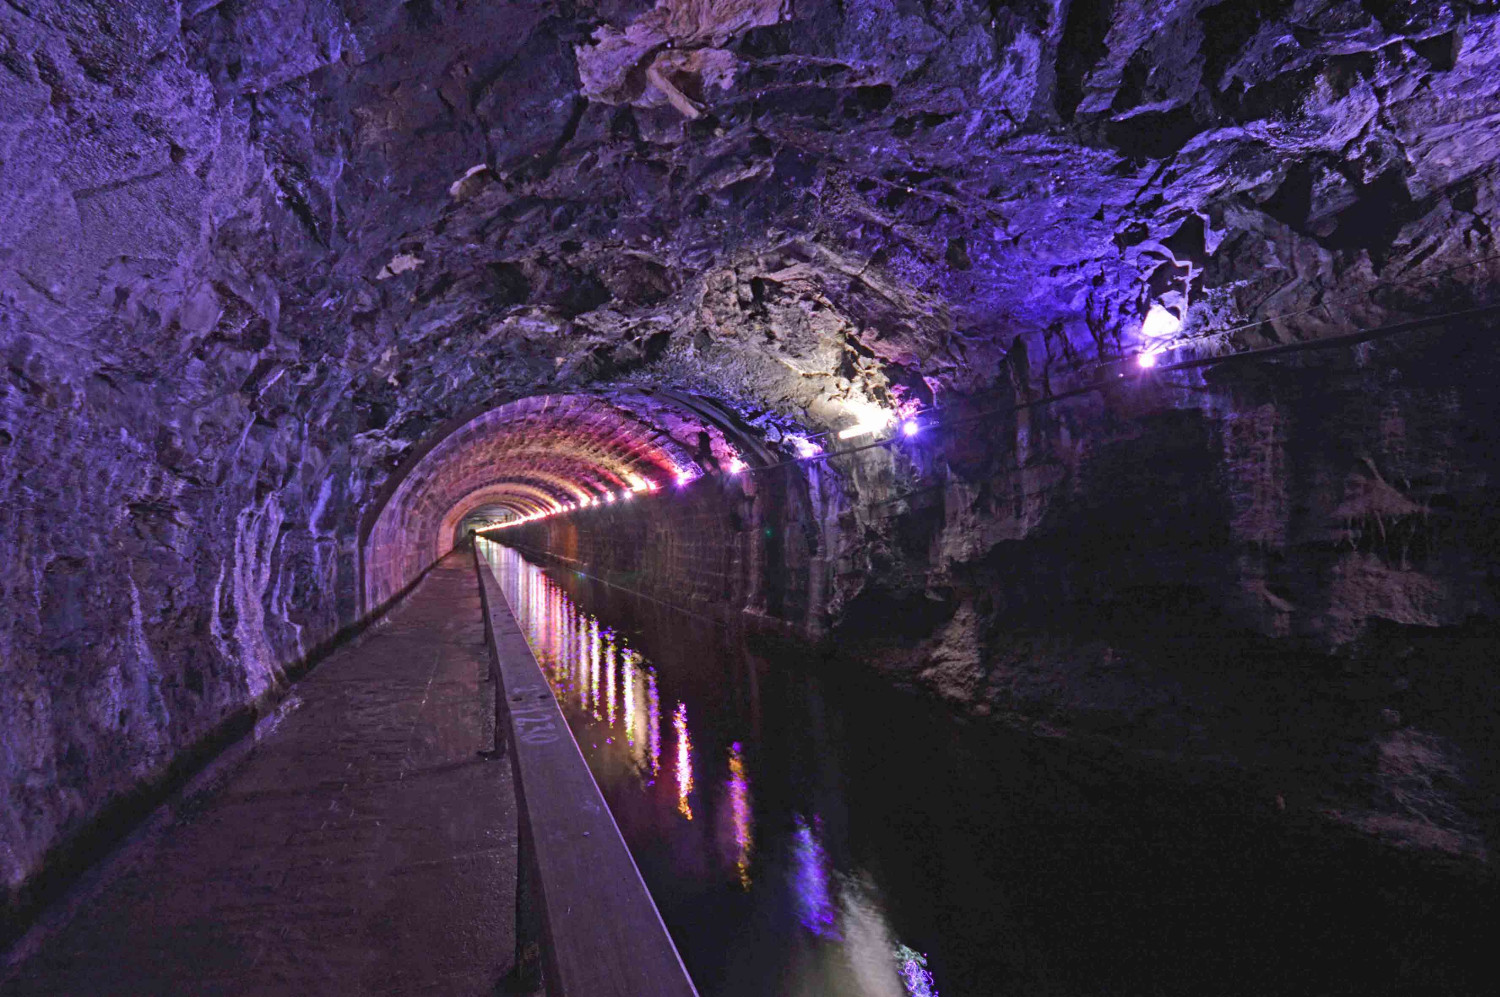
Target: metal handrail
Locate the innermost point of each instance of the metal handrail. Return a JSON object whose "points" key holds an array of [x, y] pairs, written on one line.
{"points": [[586, 925]]}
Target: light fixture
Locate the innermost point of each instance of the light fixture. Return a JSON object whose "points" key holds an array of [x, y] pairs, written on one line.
{"points": [[1145, 361], [683, 478], [910, 427], [736, 465], [1159, 323], [805, 448], [869, 418]]}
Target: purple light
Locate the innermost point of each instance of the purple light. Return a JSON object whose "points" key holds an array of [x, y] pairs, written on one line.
{"points": [[910, 427], [813, 893], [736, 465], [1145, 361], [914, 972], [739, 805], [805, 448]]}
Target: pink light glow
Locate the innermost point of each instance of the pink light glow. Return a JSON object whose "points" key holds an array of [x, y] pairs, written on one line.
{"points": [[653, 722]]}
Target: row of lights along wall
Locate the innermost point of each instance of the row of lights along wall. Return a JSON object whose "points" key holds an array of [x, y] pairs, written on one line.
{"points": [[1159, 331]]}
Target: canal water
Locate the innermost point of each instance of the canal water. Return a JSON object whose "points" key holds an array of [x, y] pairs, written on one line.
{"points": [[813, 834]]}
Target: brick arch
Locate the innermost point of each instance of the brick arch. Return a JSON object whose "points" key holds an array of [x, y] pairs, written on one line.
{"points": [[544, 453], [509, 494]]}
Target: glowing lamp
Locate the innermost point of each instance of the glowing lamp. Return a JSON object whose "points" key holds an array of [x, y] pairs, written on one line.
{"points": [[868, 419], [910, 427], [1160, 324], [736, 465], [805, 448], [683, 478], [1145, 361], [609, 496]]}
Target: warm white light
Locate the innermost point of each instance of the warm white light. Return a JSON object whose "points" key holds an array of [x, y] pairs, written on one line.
{"points": [[683, 478], [1160, 324], [736, 465], [609, 496], [869, 418], [805, 447]]}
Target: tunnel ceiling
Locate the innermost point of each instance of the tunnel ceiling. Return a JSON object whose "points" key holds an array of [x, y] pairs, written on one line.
{"points": [[260, 252], [373, 215], [539, 455]]}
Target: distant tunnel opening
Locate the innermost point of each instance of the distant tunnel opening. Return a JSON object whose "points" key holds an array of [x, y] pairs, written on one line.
{"points": [[536, 456]]}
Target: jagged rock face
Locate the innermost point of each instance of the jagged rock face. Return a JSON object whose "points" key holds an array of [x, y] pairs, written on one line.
{"points": [[254, 251]]}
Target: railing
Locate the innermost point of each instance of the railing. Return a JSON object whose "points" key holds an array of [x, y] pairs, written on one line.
{"points": [[585, 924]]}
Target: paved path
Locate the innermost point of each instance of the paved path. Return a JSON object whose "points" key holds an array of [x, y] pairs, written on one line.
{"points": [[363, 847]]}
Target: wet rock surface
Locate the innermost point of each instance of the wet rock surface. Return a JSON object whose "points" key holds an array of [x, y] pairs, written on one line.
{"points": [[255, 251]]}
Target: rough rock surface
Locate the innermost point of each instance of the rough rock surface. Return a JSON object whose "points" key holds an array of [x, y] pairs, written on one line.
{"points": [[254, 251]]}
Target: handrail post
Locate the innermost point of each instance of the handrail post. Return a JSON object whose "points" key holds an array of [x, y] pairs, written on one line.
{"points": [[527, 975]]}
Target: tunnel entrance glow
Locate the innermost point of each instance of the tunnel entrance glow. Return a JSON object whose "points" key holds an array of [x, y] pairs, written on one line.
{"points": [[543, 455]]}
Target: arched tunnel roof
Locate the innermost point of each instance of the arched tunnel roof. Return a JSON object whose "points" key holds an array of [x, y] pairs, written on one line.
{"points": [[546, 453]]}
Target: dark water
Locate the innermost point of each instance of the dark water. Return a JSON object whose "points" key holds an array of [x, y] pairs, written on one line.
{"points": [[807, 833]]}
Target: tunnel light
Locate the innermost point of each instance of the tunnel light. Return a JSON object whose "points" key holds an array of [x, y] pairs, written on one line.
{"points": [[869, 418], [1160, 324], [736, 465], [805, 448], [910, 428], [609, 496], [683, 478], [1145, 361]]}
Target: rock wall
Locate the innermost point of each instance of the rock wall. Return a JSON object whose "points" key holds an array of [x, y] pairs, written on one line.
{"points": [[752, 545], [1280, 571], [1283, 568]]}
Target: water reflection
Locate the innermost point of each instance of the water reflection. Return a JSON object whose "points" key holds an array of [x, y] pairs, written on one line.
{"points": [[811, 879], [611, 694], [684, 761], [739, 808]]}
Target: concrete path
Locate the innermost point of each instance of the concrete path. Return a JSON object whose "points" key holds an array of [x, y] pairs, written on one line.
{"points": [[362, 847]]}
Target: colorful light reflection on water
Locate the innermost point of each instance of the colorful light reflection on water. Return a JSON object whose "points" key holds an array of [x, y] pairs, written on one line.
{"points": [[811, 880], [739, 804], [611, 695], [684, 761]]}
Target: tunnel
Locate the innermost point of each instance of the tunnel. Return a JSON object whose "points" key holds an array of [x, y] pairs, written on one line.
{"points": [[749, 498]]}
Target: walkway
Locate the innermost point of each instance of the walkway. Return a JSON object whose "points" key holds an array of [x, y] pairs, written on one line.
{"points": [[362, 847]]}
